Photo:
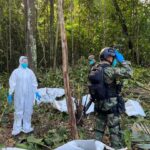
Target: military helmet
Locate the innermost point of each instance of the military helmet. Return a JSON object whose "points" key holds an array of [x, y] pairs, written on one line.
{"points": [[106, 52]]}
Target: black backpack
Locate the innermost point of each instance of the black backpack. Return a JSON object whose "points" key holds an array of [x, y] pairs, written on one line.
{"points": [[97, 86]]}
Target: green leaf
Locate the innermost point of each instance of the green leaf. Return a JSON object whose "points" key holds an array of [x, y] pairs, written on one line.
{"points": [[32, 139], [144, 146], [24, 146], [2, 145], [139, 137]]}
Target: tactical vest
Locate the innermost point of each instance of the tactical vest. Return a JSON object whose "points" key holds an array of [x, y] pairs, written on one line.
{"points": [[98, 88]]}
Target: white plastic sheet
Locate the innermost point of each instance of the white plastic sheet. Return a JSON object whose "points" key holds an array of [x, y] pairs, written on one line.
{"points": [[133, 108], [85, 100], [48, 95], [62, 105], [83, 145]]}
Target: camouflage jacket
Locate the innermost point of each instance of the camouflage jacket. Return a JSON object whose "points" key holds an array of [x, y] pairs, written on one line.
{"points": [[111, 74]]}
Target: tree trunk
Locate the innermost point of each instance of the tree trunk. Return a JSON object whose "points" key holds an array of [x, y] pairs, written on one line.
{"points": [[10, 43], [123, 23], [71, 112], [104, 21], [78, 44], [72, 33], [10, 50], [137, 38], [43, 60], [30, 33], [51, 30], [56, 45]]}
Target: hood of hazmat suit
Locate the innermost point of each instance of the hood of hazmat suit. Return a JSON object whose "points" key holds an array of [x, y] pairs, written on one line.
{"points": [[23, 84]]}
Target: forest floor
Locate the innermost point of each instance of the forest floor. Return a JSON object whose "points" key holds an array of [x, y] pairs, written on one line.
{"points": [[51, 126]]}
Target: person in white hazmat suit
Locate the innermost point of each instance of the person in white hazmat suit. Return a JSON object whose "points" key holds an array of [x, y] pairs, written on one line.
{"points": [[23, 84]]}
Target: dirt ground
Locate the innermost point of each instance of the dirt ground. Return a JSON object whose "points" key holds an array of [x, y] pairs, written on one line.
{"points": [[45, 118]]}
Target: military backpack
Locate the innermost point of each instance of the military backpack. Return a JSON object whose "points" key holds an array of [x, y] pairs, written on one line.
{"points": [[97, 86]]}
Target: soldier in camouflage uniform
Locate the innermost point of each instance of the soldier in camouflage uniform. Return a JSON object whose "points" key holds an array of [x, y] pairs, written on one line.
{"points": [[108, 110]]}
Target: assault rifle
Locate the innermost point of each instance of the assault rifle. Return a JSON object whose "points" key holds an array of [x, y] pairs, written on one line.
{"points": [[84, 110]]}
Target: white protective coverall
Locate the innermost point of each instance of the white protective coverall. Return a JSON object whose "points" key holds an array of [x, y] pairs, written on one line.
{"points": [[23, 84]]}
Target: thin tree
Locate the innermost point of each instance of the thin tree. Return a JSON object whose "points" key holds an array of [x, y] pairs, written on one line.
{"points": [[51, 30], [43, 60], [72, 32], [30, 30], [70, 107], [123, 23], [104, 23], [10, 49], [9, 56], [56, 43]]}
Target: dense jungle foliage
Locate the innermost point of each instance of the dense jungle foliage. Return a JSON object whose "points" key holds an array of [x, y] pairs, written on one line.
{"points": [[90, 25]]}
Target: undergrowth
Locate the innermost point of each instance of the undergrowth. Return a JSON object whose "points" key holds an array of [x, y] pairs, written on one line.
{"points": [[50, 125]]}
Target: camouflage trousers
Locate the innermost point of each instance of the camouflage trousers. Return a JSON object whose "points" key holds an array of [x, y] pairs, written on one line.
{"points": [[112, 122]]}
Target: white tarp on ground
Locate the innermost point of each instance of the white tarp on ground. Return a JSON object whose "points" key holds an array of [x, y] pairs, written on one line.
{"points": [[85, 100], [50, 95], [84, 145], [133, 108], [62, 105]]}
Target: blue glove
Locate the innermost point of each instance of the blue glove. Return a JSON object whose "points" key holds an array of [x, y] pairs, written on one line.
{"points": [[38, 96], [119, 57], [9, 98]]}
